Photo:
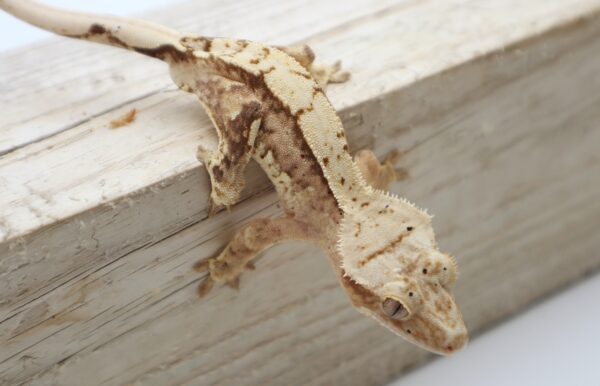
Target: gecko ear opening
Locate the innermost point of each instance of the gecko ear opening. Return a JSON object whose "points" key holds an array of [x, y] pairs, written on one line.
{"points": [[394, 309]]}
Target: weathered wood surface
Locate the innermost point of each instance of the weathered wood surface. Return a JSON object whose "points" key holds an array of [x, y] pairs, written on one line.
{"points": [[493, 104]]}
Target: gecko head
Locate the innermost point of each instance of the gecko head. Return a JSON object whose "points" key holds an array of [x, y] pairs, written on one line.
{"points": [[394, 272]]}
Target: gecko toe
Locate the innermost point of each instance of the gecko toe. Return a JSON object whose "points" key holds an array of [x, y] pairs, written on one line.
{"points": [[234, 283], [205, 287], [202, 265]]}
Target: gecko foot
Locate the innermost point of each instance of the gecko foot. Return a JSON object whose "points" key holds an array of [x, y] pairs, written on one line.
{"points": [[220, 271], [379, 175], [325, 74], [245, 246]]}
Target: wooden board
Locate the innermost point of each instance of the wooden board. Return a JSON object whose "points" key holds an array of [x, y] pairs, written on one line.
{"points": [[492, 104]]}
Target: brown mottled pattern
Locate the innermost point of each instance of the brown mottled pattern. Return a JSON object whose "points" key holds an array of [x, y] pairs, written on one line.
{"points": [[278, 134], [266, 105], [296, 160], [234, 132], [197, 43], [163, 51]]}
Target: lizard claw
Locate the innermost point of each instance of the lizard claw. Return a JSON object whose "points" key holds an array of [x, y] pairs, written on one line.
{"points": [[211, 208], [234, 283], [337, 76], [206, 286], [203, 154]]}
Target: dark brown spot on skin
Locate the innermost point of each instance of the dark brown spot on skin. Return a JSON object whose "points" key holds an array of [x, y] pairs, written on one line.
{"points": [[97, 29], [364, 204], [380, 251], [409, 228], [326, 161], [424, 271], [345, 147], [358, 229], [217, 173], [342, 180], [301, 112], [354, 199], [304, 75]]}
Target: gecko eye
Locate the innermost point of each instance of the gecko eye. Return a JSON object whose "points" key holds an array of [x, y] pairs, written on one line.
{"points": [[394, 309]]}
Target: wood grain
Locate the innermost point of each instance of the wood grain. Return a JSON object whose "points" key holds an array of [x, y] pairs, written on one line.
{"points": [[494, 111]]}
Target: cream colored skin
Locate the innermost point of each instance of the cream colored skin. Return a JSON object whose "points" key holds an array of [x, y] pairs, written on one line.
{"points": [[268, 104]]}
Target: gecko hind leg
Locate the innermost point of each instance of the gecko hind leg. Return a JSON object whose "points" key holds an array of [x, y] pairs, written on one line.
{"points": [[379, 175], [322, 73], [245, 246]]}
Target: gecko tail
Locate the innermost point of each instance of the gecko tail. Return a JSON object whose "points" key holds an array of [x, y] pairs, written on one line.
{"points": [[137, 35]]}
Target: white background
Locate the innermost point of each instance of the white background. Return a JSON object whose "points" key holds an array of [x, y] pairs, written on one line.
{"points": [[556, 342]]}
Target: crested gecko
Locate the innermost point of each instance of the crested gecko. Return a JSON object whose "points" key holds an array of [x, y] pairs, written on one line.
{"points": [[268, 104]]}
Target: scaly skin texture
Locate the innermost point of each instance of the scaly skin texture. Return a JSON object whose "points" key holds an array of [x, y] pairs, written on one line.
{"points": [[268, 104]]}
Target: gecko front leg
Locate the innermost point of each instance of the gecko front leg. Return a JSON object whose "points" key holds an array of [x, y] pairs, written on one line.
{"points": [[323, 74], [246, 245]]}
